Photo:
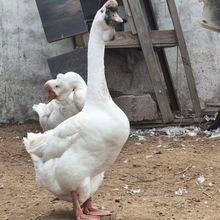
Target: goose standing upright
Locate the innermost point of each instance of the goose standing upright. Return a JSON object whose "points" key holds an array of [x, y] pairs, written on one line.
{"points": [[66, 97], [71, 159]]}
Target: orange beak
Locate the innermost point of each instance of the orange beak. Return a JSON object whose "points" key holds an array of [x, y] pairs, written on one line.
{"points": [[51, 94]]}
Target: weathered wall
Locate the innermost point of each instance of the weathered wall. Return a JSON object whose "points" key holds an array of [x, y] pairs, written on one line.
{"points": [[204, 51], [24, 53], [23, 59]]}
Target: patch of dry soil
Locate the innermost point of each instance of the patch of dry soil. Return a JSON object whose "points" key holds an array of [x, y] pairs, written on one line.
{"points": [[141, 185]]}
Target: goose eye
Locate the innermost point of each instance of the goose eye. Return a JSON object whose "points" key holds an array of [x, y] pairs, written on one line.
{"points": [[101, 11], [56, 86]]}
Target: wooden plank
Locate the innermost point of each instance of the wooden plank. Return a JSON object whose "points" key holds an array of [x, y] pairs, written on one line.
{"points": [[151, 61], [159, 123], [124, 40], [73, 61], [185, 58], [129, 17], [61, 18], [161, 54], [209, 104], [166, 38], [80, 41]]}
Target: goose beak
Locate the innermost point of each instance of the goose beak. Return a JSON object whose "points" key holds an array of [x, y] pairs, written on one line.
{"points": [[51, 94], [115, 19], [112, 18]]}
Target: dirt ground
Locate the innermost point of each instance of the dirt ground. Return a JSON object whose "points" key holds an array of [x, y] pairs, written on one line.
{"points": [[158, 178]]}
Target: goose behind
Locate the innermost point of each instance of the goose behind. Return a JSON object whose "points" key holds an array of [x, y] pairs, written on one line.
{"points": [[66, 97], [71, 159]]}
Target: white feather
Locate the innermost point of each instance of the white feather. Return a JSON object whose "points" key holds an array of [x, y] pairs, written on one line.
{"points": [[74, 155]]}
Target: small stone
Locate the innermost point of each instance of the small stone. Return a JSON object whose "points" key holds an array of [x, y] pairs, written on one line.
{"points": [[118, 200]]}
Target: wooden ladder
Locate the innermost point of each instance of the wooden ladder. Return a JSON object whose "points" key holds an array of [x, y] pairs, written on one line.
{"points": [[139, 24], [144, 34]]}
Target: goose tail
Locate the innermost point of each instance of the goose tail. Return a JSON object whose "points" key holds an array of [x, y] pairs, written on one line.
{"points": [[34, 143], [44, 170], [34, 146]]}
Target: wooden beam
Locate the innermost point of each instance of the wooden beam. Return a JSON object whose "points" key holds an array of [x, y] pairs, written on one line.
{"points": [[159, 123], [166, 38], [129, 17], [151, 60], [185, 58], [209, 104], [162, 58], [124, 40]]}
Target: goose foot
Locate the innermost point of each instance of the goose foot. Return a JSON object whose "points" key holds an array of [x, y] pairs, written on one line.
{"points": [[78, 213], [98, 212], [89, 209], [88, 217]]}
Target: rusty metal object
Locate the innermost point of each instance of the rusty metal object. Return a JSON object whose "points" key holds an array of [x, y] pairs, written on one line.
{"points": [[211, 14]]}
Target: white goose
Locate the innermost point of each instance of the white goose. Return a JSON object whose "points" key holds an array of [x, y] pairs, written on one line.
{"points": [[71, 159], [63, 103]]}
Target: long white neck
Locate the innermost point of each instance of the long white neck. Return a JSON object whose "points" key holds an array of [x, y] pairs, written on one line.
{"points": [[97, 90]]}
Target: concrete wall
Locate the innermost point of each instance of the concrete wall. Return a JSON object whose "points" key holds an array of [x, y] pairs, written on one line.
{"points": [[23, 59], [204, 51], [24, 53]]}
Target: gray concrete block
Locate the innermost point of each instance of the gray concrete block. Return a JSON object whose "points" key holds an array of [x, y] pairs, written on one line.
{"points": [[137, 108]]}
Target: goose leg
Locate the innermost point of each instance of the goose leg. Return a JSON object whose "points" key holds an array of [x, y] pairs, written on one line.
{"points": [[88, 208], [79, 215]]}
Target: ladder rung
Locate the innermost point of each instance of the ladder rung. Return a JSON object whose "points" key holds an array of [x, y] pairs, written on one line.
{"points": [[165, 38]]}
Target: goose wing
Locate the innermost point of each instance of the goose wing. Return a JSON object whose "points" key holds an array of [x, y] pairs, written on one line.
{"points": [[53, 143]]}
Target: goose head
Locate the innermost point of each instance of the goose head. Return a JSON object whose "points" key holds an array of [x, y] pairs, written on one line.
{"points": [[106, 19], [61, 87]]}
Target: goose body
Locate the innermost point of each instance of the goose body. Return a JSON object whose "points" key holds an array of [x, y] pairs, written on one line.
{"points": [[71, 159], [66, 98]]}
